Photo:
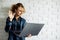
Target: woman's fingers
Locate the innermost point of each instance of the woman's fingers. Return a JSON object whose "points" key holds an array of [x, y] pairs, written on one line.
{"points": [[29, 35], [10, 14]]}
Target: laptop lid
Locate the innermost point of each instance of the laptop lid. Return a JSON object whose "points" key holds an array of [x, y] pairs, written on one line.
{"points": [[31, 28]]}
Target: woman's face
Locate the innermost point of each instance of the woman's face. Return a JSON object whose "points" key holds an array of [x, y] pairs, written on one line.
{"points": [[19, 11]]}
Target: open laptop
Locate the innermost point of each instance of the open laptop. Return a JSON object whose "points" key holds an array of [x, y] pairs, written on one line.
{"points": [[31, 28]]}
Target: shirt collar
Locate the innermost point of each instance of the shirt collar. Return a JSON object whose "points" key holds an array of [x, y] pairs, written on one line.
{"points": [[15, 18]]}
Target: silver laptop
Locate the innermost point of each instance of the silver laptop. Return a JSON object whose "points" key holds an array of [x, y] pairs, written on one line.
{"points": [[31, 28]]}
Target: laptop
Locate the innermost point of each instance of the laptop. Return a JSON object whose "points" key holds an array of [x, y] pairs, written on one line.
{"points": [[31, 28]]}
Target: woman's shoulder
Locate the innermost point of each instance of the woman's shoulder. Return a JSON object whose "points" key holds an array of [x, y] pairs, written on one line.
{"points": [[23, 19], [7, 18]]}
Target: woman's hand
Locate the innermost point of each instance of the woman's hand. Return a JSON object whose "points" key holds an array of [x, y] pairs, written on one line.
{"points": [[29, 35], [11, 15]]}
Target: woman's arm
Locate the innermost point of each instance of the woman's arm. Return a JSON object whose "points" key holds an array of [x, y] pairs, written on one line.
{"points": [[8, 25], [9, 21], [24, 23]]}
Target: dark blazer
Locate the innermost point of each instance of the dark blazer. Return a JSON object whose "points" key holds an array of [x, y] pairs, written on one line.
{"points": [[14, 24]]}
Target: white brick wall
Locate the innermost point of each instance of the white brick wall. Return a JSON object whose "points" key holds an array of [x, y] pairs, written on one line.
{"points": [[41, 11]]}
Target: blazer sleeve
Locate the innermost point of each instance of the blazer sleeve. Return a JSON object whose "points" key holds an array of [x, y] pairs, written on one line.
{"points": [[24, 23], [8, 25]]}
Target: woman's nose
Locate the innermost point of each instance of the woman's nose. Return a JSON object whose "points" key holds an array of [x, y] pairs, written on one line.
{"points": [[20, 12]]}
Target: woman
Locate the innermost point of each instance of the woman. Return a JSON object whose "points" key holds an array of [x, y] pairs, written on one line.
{"points": [[15, 23]]}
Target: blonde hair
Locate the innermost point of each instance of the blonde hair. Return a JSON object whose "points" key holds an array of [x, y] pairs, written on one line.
{"points": [[16, 6]]}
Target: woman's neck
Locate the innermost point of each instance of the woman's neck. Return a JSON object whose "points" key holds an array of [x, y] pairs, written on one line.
{"points": [[16, 16]]}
